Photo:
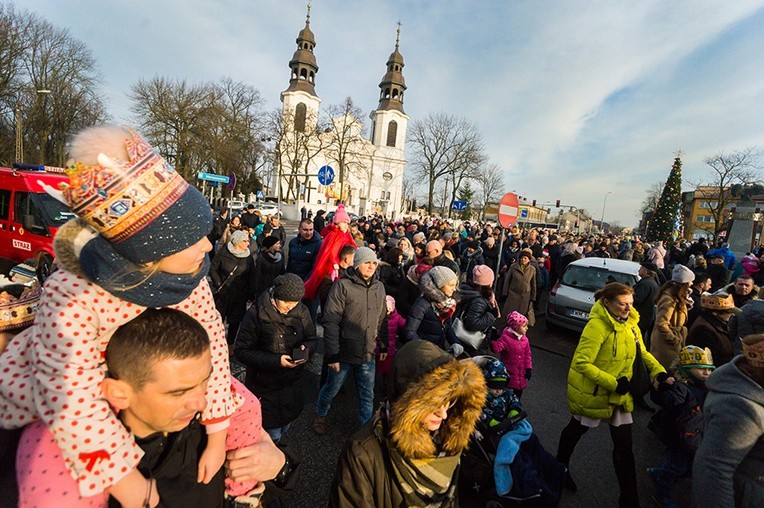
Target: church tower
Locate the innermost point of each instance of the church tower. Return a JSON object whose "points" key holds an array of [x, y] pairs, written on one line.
{"points": [[300, 102], [389, 120]]}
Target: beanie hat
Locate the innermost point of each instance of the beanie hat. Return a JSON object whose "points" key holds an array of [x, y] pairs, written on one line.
{"points": [[495, 373], [288, 288], [441, 275], [18, 304], [650, 266], [341, 215], [682, 274], [753, 349], [515, 320], [364, 255], [269, 241], [718, 301], [239, 236], [482, 275], [390, 302], [142, 206], [694, 356], [267, 228]]}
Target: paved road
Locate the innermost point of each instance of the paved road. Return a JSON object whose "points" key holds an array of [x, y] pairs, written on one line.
{"points": [[547, 408]]}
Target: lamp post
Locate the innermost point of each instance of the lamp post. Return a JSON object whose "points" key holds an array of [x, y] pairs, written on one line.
{"points": [[602, 219], [19, 127]]}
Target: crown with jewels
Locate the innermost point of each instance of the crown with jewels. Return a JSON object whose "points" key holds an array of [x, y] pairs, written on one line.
{"points": [[694, 356], [120, 200], [19, 312], [753, 349]]}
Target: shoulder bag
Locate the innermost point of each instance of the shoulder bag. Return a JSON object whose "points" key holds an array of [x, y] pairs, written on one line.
{"points": [[640, 377]]}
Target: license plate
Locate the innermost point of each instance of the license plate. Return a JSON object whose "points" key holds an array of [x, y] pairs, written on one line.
{"points": [[579, 314]]}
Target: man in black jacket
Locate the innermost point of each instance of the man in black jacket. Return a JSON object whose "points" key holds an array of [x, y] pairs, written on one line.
{"points": [[645, 291], [355, 324], [303, 250]]}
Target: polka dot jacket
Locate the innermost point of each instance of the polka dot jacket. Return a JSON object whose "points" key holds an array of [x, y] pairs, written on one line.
{"points": [[53, 370]]}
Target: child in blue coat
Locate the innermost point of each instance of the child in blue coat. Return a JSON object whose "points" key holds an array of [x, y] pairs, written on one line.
{"points": [[679, 422]]}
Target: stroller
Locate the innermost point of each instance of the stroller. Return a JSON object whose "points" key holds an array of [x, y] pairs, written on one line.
{"points": [[536, 476]]}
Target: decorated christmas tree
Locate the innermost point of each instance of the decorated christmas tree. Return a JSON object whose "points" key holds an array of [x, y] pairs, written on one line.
{"points": [[665, 223]]}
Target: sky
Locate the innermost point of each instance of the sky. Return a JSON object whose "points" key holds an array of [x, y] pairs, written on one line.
{"points": [[585, 102]]}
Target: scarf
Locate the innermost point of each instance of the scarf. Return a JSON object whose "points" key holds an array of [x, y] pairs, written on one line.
{"points": [[121, 277], [445, 309], [238, 253], [424, 482]]}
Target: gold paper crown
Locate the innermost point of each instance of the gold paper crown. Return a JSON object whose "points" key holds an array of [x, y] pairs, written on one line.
{"points": [[694, 356], [721, 301], [121, 200], [753, 349], [18, 312]]}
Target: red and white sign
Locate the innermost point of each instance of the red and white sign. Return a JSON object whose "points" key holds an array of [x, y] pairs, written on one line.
{"points": [[18, 244], [508, 210]]}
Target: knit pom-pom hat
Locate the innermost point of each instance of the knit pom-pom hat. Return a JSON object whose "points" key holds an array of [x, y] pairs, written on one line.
{"points": [[341, 215], [515, 320]]}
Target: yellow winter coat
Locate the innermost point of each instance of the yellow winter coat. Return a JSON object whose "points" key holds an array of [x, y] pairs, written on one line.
{"points": [[605, 352]]}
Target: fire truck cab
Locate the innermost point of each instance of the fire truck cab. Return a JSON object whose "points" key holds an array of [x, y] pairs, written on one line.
{"points": [[29, 216]]}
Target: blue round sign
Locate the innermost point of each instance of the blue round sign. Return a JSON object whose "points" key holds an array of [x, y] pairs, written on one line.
{"points": [[325, 175]]}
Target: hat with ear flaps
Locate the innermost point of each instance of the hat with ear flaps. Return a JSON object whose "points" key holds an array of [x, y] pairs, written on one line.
{"points": [[426, 378], [141, 206]]}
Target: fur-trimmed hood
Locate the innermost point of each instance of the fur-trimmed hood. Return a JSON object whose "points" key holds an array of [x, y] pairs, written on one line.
{"points": [[424, 378]]}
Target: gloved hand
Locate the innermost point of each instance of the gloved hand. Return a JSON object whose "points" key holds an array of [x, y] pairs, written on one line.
{"points": [[623, 386], [528, 374], [456, 349], [664, 381]]}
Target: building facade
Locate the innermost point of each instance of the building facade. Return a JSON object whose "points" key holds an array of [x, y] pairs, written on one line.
{"points": [[320, 162]]}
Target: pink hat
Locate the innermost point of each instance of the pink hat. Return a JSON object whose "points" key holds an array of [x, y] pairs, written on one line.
{"points": [[341, 215], [390, 301], [515, 320], [482, 275]]}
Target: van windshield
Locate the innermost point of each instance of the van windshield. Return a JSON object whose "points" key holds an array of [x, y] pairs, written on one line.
{"points": [[56, 211], [592, 278]]}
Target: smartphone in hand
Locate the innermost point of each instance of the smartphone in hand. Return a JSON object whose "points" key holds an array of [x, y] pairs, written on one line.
{"points": [[299, 355]]}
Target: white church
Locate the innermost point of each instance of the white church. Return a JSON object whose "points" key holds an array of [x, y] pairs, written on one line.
{"points": [[322, 162]]}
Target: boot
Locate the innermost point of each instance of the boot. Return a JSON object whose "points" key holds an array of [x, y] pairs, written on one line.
{"points": [[626, 472]]}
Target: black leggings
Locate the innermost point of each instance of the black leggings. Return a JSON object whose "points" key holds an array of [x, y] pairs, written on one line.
{"points": [[623, 456]]}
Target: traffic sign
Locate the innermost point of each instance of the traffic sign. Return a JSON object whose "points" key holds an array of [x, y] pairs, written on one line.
{"points": [[508, 209], [211, 177], [231, 182], [325, 175], [260, 194], [459, 206], [523, 213]]}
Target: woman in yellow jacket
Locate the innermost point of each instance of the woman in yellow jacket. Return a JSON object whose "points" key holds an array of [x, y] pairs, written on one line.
{"points": [[670, 333], [599, 380]]}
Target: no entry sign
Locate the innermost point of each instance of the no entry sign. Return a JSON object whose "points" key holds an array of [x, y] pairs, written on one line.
{"points": [[508, 210]]}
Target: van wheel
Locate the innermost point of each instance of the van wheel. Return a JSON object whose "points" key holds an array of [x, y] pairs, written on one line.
{"points": [[44, 266]]}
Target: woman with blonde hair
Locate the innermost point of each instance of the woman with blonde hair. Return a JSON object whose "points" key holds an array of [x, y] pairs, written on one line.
{"points": [[673, 303]]}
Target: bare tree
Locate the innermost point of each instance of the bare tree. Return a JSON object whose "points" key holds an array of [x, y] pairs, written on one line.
{"points": [[490, 187], [443, 145], [297, 144], [36, 57], [345, 141], [726, 170], [651, 198]]}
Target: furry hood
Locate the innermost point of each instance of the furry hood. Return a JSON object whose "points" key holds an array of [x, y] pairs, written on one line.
{"points": [[425, 377]]}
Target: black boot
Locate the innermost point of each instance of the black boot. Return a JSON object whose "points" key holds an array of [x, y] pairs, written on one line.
{"points": [[569, 438], [625, 471]]}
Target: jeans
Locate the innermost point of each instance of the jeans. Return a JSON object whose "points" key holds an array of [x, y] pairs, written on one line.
{"points": [[277, 432], [364, 378]]}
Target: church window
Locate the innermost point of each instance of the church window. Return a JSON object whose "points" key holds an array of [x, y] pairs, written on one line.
{"points": [[392, 132], [388, 195], [312, 77], [382, 197], [387, 93], [303, 74], [299, 117], [395, 93]]}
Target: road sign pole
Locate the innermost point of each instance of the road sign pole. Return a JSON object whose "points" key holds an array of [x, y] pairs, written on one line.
{"points": [[498, 263]]}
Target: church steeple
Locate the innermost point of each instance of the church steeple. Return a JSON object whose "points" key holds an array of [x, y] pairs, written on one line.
{"points": [[393, 85], [303, 63]]}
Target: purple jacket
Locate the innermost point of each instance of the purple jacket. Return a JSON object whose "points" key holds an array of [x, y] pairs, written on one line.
{"points": [[515, 353]]}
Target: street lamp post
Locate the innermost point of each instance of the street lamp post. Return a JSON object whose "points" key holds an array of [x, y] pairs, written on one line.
{"points": [[19, 127], [602, 218]]}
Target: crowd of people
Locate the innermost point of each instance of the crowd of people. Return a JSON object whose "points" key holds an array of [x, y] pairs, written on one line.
{"points": [[128, 351]]}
